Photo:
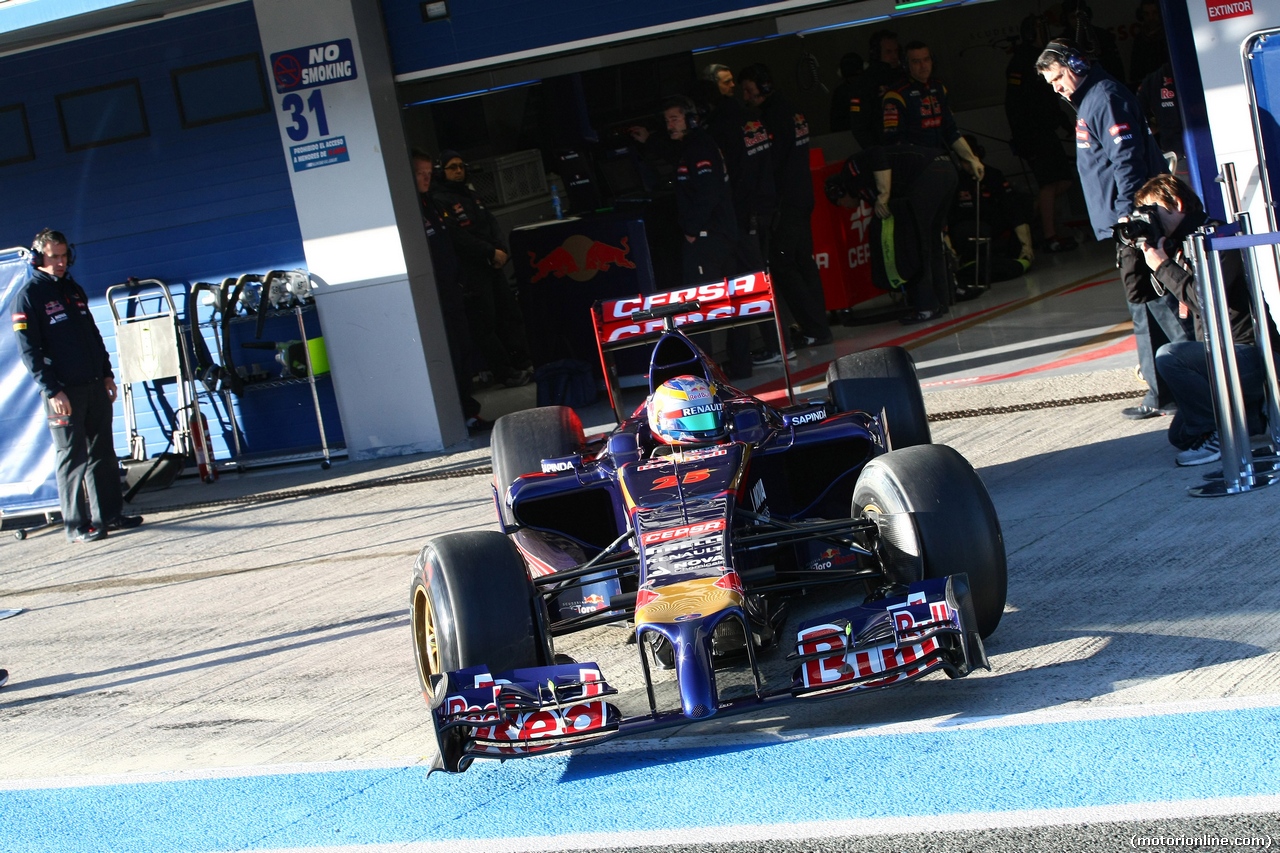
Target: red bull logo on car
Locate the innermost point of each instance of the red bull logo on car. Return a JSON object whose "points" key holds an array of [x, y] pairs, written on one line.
{"points": [[580, 258]]}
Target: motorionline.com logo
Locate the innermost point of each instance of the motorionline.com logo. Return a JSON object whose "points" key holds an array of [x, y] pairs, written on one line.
{"points": [[1197, 841]]}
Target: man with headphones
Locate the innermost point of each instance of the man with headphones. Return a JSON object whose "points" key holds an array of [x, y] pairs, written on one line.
{"points": [[1115, 155], [63, 349]]}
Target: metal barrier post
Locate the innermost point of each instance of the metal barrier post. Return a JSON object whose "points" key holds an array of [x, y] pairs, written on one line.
{"points": [[1238, 474]]}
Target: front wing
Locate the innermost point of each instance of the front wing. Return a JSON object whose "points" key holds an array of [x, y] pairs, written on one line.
{"points": [[521, 712]]}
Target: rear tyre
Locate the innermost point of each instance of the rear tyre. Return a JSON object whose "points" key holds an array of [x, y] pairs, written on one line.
{"points": [[883, 378], [521, 440], [953, 525], [471, 602]]}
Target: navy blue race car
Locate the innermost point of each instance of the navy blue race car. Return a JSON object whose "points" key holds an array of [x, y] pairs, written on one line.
{"points": [[694, 523]]}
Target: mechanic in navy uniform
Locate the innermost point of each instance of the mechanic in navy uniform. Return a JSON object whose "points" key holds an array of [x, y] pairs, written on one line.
{"points": [[1184, 366], [444, 262], [846, 98], [1035, 117], [497, 328], [916, 111], [795, 273], [918, 183], [63, 349], [883, 71], [704, 206], [1158, 95], [1115, 155]]}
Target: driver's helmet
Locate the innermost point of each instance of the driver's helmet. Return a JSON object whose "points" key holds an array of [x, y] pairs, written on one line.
{"points": [[685, 410]]}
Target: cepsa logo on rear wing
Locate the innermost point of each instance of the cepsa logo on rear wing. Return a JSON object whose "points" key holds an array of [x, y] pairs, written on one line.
{"points": [[746, 296]]}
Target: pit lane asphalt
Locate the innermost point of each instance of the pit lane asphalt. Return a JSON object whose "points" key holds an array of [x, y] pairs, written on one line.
{"points": [[273, 632]]}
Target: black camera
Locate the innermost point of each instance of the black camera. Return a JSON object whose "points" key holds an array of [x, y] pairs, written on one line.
{"points": [[1143, 226]]}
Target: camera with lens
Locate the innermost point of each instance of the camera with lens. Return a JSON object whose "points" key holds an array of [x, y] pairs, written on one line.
{"points": [[1142, 226]]}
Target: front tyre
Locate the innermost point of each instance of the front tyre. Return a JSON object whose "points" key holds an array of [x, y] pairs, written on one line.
{"points": [[882, 379], [936, 519], [471, 602]]}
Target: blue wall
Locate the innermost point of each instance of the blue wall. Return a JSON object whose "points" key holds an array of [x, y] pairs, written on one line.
{"points": [[481, 28], [181, 205]]}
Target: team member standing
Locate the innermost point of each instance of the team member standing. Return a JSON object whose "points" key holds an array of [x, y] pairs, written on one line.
{"points": [[704, 204], [884, 70], [444, 262], [791, 245], [916, 111], [496, 325], [1115, 155], [63, 349]]}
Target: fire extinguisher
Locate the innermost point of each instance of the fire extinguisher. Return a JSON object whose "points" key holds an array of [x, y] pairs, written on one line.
{"points": [[199, 428]]}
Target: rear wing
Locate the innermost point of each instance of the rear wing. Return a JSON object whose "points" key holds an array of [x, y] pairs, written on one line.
{"points": [[638, 320]]}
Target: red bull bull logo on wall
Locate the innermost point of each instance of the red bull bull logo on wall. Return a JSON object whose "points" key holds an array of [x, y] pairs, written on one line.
{"points": [[580, 258]]}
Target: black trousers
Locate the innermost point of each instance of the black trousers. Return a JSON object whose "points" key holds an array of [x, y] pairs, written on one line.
{"points": [[497, 327], [87, 469], [930, 196], [795, 273]]}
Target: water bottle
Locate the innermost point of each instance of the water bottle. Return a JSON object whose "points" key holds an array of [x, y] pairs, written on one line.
{"points": [[555, 201]]}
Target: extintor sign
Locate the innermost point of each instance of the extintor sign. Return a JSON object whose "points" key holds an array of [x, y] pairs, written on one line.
{"points": [[1220, 10]]}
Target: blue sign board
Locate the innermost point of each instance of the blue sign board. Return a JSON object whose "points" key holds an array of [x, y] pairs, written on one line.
{"points": [[322, 152], [314, 65]]}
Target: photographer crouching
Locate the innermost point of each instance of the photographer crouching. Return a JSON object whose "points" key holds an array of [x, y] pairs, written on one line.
{"points": [[1168, 212]]}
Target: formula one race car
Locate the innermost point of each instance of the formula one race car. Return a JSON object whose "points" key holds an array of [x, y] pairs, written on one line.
{"points": [[694, 523]]}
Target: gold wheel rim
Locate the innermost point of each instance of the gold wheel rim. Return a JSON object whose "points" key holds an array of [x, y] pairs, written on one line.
{"points": [[426, 644]]}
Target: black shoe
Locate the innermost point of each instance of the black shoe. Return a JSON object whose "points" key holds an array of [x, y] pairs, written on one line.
{"points": [[1142, 411], [918, 317], [4, 677], [124, 522], [89, 534], [478, 425], [964, 294], [1059, 244]]}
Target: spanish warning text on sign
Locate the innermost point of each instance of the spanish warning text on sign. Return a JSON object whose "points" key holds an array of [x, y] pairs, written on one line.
{"points": [[314, 65], [1220, 10], [324, 152]]}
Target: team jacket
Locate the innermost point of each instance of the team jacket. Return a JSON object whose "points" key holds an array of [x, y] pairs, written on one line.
{"points": [[866, 113], [474, 231], [704, 202], [918, 113], [748, 153], [1115, 151], [60, 342], [789, 131]]}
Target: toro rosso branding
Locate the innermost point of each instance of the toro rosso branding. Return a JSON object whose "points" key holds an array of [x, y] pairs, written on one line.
{"points": [[580, 258], [1120, 133], [747, 296]]}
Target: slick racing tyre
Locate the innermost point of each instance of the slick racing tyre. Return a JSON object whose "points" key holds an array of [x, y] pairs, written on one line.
{"points": [[882, 379], [471, 602], [521, 440], [928, 501]]}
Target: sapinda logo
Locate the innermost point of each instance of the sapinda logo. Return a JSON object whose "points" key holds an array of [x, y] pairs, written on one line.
{"points": [[673, 533]]}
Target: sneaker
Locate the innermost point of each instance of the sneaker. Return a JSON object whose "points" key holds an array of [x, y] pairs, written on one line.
{"points": [[763, 358], [478, 424], [516, 378], [483, 379], [4, 677], [89, 534], [1059, 244], [918, 317], [123, 522], [1204, 451], [1142, 411]]}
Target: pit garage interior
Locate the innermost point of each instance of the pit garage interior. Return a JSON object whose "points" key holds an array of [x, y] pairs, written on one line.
{"points": [[163, 139]]}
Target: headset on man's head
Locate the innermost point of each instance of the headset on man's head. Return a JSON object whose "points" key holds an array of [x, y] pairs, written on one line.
{"points": [[686, 106], [759, 74], [1070, 55], [43, 240]]}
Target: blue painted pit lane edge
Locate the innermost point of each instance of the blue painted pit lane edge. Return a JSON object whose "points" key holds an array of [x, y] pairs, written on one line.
{"points": [[1181, 759]]}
